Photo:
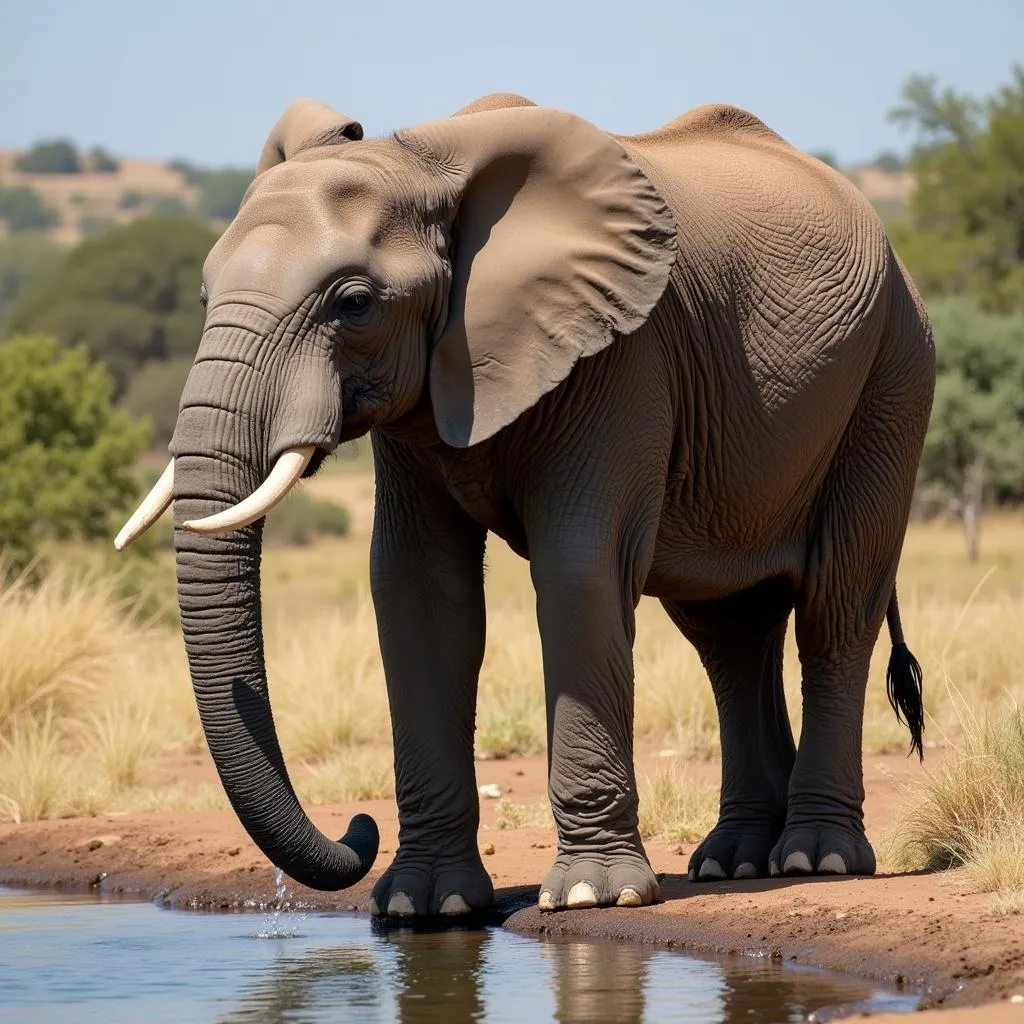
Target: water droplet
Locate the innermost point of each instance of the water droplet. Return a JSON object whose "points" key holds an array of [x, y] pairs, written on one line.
{"points": [[281, 922]]}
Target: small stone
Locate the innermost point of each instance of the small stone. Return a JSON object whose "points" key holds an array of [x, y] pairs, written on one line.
{"points": [[667, 753], [840, 914], [678, 851], [96, 842], [234, 851], [490, 791], [1017, 998], [488, 849]]}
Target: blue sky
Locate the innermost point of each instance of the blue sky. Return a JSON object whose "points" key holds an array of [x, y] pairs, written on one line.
{"points": [[205, 79]]}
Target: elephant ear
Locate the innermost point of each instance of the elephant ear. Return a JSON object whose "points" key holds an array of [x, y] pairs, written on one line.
{"points": [[559, 243], [305, 124]]}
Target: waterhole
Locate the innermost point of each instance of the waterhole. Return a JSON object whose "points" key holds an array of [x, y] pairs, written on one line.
{"points": [[89, 959]]}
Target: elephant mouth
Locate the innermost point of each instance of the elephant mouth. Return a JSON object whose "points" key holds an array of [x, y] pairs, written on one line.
{"points": [[315, 462]]}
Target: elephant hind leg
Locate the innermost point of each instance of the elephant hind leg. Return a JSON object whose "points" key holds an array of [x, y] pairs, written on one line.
{"points": [[847, 587], [740, 641]]}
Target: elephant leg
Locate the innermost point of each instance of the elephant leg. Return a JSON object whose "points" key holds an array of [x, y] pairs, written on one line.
{"points": [[427, 582], [586, 596], [849, 576], [740, 641]]}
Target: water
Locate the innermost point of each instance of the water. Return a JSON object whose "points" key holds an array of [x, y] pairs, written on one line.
{"points": [[87, 959]]}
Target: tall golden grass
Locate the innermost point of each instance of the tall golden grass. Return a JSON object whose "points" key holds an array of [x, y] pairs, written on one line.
{"points": [[95, 695]]}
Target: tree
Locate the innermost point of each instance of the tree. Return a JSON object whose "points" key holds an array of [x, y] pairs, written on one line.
{"points": [[67, 457], [24, 260], [130, 295], [965, 230], [155, 392], [23, 210], [975, 441], [56, 156], [890, 162], [221, 193], [101, 162]]}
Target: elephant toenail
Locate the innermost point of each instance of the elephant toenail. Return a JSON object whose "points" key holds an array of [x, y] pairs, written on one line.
{"points": [[546, 900], [832, 864], [711, 869], [454, 905], [691, 875], [581, 895], [797, 863], [745, 870], [773, 869], [629, 898], [400, 906], [374, 909]]}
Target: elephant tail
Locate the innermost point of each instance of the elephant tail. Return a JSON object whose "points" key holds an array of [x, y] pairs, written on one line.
{"points": [[903, 680]]}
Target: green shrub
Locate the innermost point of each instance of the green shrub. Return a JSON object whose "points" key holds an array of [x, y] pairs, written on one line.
{"points": [[131, 199], [56, 156], [23, 210], [66, 455], [300, 518]]}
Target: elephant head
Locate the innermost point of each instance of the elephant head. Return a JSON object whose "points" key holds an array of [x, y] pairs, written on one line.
{"points": [[460, 267]]}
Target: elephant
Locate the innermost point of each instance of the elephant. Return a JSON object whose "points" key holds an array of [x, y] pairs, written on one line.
{"points": [[685, 364]]}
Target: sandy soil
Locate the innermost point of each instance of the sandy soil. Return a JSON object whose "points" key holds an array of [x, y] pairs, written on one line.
{"points": [[929, 932]]}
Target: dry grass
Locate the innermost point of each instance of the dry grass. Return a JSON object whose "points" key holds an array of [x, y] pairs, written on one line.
{"points": [[674, 807], [91, 692], [354, 775], [970, 810], [509, 814]]}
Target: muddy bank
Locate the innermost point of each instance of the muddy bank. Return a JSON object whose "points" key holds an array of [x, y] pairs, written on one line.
{"points": [[928, 932]]}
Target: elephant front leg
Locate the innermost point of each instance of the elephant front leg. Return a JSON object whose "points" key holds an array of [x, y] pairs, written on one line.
{"points": [[587, 634], [427, 580]]}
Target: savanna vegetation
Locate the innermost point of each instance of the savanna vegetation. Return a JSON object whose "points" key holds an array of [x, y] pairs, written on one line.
{"points": [[95, 702]]}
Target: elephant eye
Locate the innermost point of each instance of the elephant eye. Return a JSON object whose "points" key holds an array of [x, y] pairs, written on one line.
{"points": [[350, 304], [203, 298]]}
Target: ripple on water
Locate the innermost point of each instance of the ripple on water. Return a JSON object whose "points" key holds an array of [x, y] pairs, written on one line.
{"points": [[96, 960]]}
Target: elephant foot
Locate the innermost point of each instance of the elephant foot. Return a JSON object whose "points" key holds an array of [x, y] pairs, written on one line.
{"points": [[822, 849], [418, 885], [734, 848], [578, 881]]}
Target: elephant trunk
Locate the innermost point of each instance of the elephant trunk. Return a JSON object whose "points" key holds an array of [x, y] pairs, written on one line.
{"points": [[219, 460]]}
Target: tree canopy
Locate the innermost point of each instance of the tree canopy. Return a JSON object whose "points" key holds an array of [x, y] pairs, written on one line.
{"points": [[964, 233], [131, 296], [54, 156], [67, 457], [24, 261]]}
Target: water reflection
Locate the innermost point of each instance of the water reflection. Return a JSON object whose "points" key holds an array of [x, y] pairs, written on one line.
{"points": [[423, 977], [63, 959]]}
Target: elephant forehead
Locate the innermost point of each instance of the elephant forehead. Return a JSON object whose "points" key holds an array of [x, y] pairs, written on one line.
{"points": [[286, 261], [304, 225]]}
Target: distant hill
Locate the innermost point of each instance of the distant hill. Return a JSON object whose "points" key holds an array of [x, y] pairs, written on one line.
{"points": [[89, 202]]}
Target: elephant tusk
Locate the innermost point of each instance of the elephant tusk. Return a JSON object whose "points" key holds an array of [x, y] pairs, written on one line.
{"points": [[287, 470], [153, 506]]}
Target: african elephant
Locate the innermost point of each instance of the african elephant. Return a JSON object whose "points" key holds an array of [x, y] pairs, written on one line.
{"points": [[684, 364]]}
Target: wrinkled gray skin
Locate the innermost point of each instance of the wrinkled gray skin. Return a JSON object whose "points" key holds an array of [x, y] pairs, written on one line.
{"points": [[684, 364]]}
